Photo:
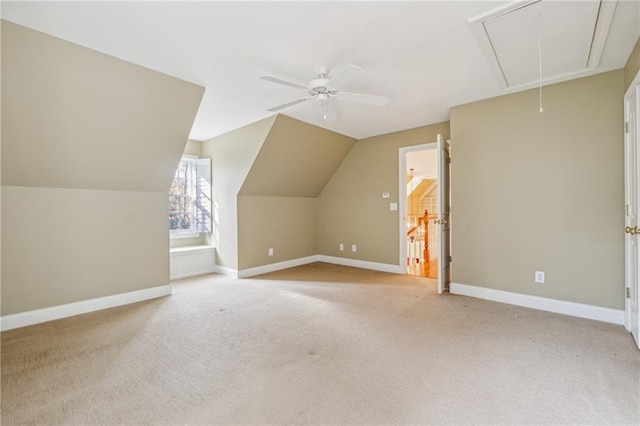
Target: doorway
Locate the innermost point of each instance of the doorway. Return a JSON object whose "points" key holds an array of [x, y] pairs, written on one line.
{"points": [[424, 235], [421, 176]]}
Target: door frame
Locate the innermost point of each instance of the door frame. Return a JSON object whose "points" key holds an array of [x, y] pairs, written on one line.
{"points": [[632, 87], [402, 198]]}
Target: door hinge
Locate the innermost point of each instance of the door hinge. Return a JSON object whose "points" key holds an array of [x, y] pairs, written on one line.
{"points": [[450, 259], [626, 127], [628, 293]]}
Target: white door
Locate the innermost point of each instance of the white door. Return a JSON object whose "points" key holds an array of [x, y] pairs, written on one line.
{"points": [[443, 221], [632, 201]]}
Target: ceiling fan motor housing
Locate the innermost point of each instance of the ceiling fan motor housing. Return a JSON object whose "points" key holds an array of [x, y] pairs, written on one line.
{"points": [[319, 85]]}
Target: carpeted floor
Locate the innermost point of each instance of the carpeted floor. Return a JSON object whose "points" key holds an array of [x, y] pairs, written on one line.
{"points": [[319, 344]]}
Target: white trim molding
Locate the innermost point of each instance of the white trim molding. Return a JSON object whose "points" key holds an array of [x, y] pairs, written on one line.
{"points": [[23, 319], [190, 261], [598, 313], [272, 267], [364, 264], [223, 270]]}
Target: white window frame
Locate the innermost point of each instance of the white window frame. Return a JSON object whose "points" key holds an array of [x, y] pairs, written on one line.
{"points": [[178, 234]]}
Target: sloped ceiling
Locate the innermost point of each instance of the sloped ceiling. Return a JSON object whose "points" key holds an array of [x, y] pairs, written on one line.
{"points": [[76, 118], [296, 160], [421, 54]]}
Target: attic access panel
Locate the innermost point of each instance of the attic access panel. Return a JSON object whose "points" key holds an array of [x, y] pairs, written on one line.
{"points": [[571, 36]]}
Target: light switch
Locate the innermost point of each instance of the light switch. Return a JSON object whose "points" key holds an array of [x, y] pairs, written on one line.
{"points": [[393, 207], [386, 195]]}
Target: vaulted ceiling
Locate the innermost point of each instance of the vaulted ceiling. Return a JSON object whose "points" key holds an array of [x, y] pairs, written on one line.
{"points": [[425, 56]]}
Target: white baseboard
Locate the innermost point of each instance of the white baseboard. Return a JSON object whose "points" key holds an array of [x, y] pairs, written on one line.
{"points": [[364, 264], [598, 313], [223, 270], [194, 274], [258, 270], [23, 319]]}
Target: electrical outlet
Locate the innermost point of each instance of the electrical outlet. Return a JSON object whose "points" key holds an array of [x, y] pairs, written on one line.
{"points": [[539, 277], [341, 247], [353, 248], [271, 252]]}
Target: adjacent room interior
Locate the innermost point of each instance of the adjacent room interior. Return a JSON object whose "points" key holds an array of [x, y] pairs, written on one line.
{"points": [[422, 213], [320, 212]]}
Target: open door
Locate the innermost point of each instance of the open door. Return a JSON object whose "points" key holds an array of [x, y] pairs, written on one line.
{"points": [[632, 205], [443, 221]]}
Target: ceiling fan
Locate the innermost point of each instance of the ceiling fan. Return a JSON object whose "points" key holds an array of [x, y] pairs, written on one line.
{"points": [[324, 89]]}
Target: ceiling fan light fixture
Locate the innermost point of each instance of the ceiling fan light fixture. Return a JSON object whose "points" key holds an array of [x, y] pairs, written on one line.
{"points": [[323, 88]]}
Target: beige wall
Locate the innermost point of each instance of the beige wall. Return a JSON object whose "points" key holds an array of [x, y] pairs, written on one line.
{"points": [[76, 118], [296, 160], [266, 177], [542, 191], [277, 207], [66, 245], [232, 155], [89, 148], [286, 224], [193, 148], [351, 209], [633, 65]]}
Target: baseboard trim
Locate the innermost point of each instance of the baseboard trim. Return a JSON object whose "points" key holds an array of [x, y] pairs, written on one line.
{"points": [[364, 264], [272, 267], [598, 313], [223, 270], [193, 274], [23, 319]]}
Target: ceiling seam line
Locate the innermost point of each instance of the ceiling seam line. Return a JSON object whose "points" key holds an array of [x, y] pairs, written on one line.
{"points": [[593, 35], [495, 55]]}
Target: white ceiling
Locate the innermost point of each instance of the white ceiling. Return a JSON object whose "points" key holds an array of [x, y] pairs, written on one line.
{"points": [[422, 55], [532, 40]]}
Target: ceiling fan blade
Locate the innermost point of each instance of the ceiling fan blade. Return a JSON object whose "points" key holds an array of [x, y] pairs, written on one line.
{"points": [[329, 111], [344, 76], [288, 104], [363, 99], [284, 82]]}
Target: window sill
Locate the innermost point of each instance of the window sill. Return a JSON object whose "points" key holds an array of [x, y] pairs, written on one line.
{"points": [[180, 236], [191, 249]]}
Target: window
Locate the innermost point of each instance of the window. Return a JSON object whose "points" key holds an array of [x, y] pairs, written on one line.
{"points": [[190, 198]]}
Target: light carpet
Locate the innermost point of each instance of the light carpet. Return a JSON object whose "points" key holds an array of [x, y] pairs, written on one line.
{"points": [[319, 344]]}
